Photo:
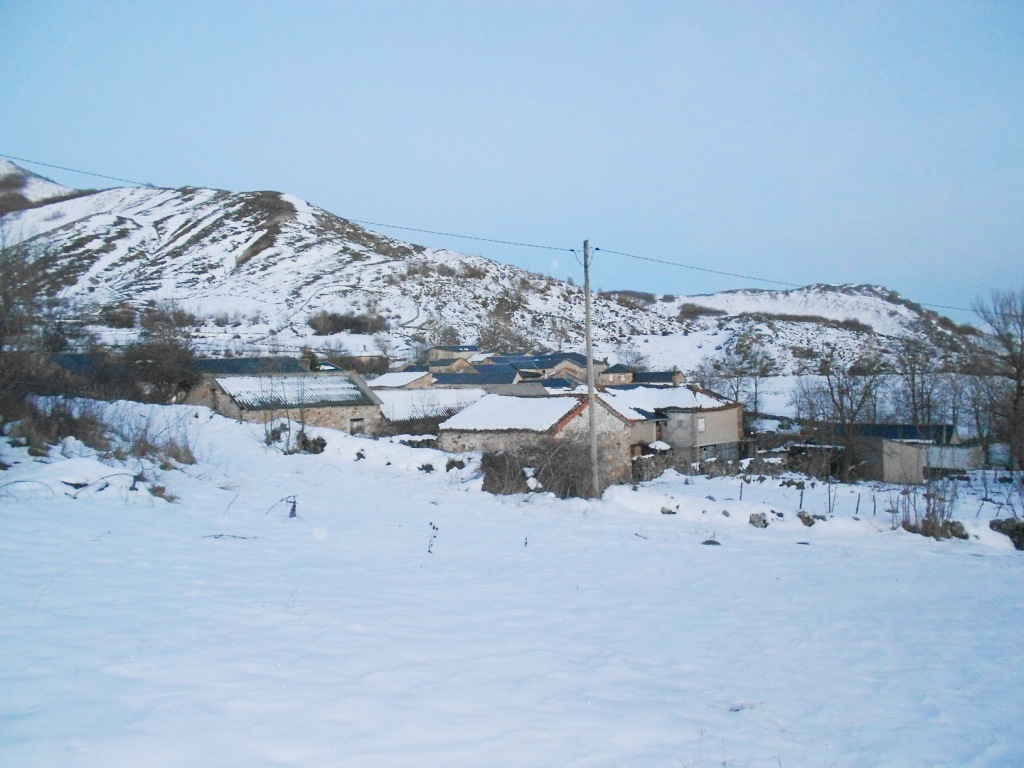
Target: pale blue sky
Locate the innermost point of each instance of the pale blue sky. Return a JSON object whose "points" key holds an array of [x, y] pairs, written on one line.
{"points": [[796, 141]]}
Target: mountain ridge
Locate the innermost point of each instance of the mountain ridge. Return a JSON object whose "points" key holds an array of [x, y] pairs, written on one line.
{"points": [[253, 267]]}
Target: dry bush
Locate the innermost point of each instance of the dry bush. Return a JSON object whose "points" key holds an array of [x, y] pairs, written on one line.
{"points": [[561, 468], [326, 323], [693, 311], [159, 317], [42, 426], [121, 315], [169, 445], [928, 509]]}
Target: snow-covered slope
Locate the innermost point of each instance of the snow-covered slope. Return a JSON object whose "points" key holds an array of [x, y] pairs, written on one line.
{"points": [[265, 262], [254, 267], [406, 618]]}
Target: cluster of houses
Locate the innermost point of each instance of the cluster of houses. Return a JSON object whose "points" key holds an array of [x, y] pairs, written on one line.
{"points": [[479, 401], [488, 402]]}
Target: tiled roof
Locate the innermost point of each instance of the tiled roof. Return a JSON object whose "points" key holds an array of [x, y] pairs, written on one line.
{"points": [[309, 390]]}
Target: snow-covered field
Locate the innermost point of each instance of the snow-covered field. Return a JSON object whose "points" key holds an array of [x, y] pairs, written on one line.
{"points": [[405, 618]]}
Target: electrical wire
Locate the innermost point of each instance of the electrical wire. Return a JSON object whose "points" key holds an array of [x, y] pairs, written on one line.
{"points": [[748, 277], [465, 237], [75, 170], [498, 241], [699, 269]]}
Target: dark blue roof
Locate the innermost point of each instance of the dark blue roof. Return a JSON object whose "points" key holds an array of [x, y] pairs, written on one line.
{"points": [[459, 348], [654, 377], [560, 382], [493, 374], [89, 363], [938, 433], [248, 366], [618, 368]]}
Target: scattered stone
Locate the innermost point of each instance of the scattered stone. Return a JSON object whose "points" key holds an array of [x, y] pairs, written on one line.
{"points": [[819, 517], [710, 498], [667, 511], [1012, 528], [805, 518], [758, 520], [725, 512], [712, 543]]}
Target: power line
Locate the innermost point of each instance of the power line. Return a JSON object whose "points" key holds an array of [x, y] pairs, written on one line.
{"points": [[76, 170], [496, 240], [465, 237], [747, 277], [699, 269]]}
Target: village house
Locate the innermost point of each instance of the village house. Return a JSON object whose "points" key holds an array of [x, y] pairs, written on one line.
{"points": [[497, 423], [619, 374], [334, 400], [696, 424], [452, 352]]}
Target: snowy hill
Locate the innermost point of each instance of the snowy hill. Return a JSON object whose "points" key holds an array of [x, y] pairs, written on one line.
{"points": [[254, 267]]}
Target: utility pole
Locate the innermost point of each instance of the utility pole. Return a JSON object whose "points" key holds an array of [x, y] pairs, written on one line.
{"points": [[591, 399]]}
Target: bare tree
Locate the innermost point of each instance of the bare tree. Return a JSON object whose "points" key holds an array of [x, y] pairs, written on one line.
{"points": [[631, 357], [919, 392], [842, 397], [1003, 313]]}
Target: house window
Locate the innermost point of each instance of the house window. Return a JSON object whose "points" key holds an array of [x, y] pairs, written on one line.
{"points": [[356, 426], [702, 424]]}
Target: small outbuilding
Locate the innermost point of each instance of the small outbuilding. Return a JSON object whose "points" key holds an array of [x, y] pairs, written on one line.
{"points": [[334, 400]]}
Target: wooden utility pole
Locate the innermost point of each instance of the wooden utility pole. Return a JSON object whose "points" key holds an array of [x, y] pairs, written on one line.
{"points": [[591, 399]]}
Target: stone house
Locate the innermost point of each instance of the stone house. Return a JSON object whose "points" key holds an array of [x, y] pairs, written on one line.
{"points": [[452, 351], [698, 425], [619, 374], [498, 423], [334, 400]]}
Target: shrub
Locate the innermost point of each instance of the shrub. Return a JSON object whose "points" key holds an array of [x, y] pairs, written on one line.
{"points": [[560, 467], [326, 323], [162, 317], [693, 311], [119, 316], [40, 427]]}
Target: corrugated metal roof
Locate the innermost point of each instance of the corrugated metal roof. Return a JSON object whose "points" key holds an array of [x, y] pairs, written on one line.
{"points": [[306, 390], [491, 374]]}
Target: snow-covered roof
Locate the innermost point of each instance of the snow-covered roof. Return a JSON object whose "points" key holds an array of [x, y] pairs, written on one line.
{"points": [[638, 402], [308, 390], [396, 379], [504, 412], [406, 404]]}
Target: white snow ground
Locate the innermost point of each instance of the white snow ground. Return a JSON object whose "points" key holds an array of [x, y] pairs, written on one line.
{"points": [[405, 618]]}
